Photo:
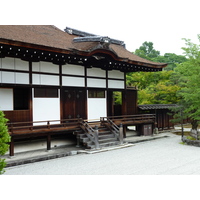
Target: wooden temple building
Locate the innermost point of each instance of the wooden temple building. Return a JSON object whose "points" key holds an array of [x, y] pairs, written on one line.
{"points": [[59, 82]]}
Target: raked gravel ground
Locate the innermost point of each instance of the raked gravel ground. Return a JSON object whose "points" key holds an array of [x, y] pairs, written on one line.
{"points": [[164, 156]]}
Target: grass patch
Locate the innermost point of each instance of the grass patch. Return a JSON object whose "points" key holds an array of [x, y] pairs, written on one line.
{"points": [[189, 137], [182, 143], [186, 133]]}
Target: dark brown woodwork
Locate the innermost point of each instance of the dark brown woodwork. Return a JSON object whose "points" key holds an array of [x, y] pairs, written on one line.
{"points": [[74, 103], [48, 142], [12, 147], [18, 115], [124, 130], [30, 73], [60, 75], [129, 102], [163, 119], [112, 108]]}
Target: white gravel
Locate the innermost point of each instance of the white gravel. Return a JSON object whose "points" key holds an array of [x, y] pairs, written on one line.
{"points": [[158, 157]]}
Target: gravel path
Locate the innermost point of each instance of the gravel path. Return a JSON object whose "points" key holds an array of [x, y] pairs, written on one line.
{"points": [[159, 157]]}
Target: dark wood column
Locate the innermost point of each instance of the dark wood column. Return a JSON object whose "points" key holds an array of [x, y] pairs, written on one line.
{"points": [[48, 142], [12, 147]]}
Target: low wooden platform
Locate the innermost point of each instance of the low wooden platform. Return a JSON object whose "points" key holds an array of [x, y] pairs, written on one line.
{"points": [[24, 130]]}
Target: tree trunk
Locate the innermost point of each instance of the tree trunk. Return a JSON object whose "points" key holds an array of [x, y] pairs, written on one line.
{"points": [[194, 124], [194, 131]]}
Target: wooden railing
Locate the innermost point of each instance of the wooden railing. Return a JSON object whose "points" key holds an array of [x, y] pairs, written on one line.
{"points": [[131, 119], [116, 130], [91, 133], [32, 126], [36, 126]]}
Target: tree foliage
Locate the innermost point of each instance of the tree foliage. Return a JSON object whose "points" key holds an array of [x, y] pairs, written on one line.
{"points": [[188, 76], [154, 87], [171, 59], [4, 139], [148, 52]]}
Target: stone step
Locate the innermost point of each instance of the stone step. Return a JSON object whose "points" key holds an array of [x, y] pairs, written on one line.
{"points": [[85, 139], [105, 132], [105, 137], [102, 141], [104, 144]]}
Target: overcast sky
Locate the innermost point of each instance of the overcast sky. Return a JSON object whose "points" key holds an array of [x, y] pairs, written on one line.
{"points": [[162, 22]]}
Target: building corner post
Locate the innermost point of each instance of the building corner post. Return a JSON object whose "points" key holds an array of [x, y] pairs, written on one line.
{"points": [[121, 134]]}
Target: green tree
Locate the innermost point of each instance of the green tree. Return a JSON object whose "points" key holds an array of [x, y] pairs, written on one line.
{"points": [[154, 87], [147, 51], [188, 76], [4, 139], [171, 59]]}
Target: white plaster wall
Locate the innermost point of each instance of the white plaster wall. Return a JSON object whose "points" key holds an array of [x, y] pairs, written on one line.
{"points": [[115, 84], [22, 78], [15, 63], [96, 108], [97, 83], [8, 63], [41, 79], [46, 109], [15, 77], [96, 72], [8, 77], [73, 69], [45, 67], [115, 74], [6, 99], [73, 81], [49, 80], [21, 64]]}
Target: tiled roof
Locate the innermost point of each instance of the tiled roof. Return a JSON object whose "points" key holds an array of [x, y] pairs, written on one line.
{"points": [[45, 35], [156, 106], [51, 36]]}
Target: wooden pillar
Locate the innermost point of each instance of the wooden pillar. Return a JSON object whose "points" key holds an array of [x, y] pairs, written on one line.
{"points": [[48, 142], [124, 130], [12, 147], [163, 122]]}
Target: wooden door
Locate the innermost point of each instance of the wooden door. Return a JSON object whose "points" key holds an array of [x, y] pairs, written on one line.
{"points": [[129, 102], [74, 104]]}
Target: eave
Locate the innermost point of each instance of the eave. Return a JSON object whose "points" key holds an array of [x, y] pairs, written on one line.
{"points": [[74, 56]]}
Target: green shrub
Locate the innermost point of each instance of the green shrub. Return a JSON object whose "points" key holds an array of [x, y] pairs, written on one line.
{"points": [[4, 140]]}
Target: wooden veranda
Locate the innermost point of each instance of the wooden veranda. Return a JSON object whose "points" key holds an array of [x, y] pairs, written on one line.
{"points": [[25, 130]]}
